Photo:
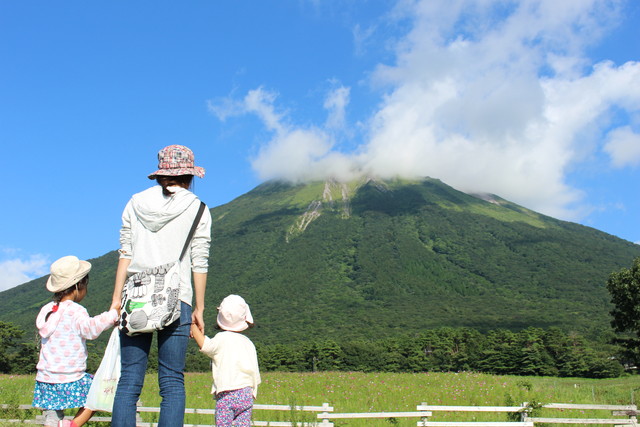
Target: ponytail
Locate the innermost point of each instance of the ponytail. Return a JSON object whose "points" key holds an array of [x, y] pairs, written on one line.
{"points": [[56, 305]]}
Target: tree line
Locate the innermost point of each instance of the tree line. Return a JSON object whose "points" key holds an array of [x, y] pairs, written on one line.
{"points": [[532, 351]]}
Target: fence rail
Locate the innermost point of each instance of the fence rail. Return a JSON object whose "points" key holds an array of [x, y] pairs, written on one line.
{"points": [[434, 409], [629, 411], [321, 411], [621, 415]]}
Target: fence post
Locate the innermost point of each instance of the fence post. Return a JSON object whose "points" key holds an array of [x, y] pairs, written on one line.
{"points": [[324, 414], [423, 420], [633, 417], [524, 415]]}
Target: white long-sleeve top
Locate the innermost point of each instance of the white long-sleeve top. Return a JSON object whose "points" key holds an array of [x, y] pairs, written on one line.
{"points": [[63, 348], [234, 362], [154, 229]]}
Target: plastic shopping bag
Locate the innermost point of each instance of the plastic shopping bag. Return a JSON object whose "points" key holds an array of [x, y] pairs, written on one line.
{"points": [[105, 382]]}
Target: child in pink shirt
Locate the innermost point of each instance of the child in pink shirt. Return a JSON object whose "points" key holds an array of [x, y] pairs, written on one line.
{"points": [[64, 326]]}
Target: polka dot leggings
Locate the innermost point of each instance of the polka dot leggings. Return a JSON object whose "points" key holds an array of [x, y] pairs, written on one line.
{"points": [[234, 408]]}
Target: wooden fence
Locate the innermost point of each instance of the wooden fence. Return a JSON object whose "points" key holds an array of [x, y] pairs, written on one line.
{"points": [[525, 415], [519, 411], [304, 415], [630, 412]]}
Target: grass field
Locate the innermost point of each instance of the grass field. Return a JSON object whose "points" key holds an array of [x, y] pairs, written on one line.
{"points": [[378, 392]]}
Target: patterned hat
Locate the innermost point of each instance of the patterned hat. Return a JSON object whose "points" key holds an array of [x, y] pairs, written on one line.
{"points": [[176, 160], [234, 314]]}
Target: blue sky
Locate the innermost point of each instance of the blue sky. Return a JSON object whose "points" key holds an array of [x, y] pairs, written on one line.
{"points": [[536, 101]]}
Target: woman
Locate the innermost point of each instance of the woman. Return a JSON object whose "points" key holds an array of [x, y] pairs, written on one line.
{"points": [[155, 224]]}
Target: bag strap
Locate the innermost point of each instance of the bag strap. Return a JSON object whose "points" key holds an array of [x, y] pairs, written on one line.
{"points": [[193, 229]]}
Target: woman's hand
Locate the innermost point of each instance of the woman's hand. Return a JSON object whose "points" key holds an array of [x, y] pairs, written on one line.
{"points": [[197, 319], [121, 277], [199, 287], [115, 305]]}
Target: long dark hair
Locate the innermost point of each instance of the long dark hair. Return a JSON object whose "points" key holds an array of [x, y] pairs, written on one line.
{"points": [[57, 297]]}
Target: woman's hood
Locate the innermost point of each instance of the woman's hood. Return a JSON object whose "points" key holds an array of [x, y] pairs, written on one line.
{"points": [[155, 210]]}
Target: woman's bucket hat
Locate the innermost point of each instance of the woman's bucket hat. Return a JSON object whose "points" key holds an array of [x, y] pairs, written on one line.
{"points": [[175, 160], [66, 272], [234, 314]]}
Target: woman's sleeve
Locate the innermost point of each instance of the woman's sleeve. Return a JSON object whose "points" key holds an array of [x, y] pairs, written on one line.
{"points": [[91, 327], [200, 244], [125, 232]]}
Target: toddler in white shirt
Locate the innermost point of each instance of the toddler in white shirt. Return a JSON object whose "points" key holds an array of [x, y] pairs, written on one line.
{"points": [[234, 363]]}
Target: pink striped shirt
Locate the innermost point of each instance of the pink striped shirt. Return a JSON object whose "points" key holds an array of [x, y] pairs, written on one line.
{"points": [[63, 350]]}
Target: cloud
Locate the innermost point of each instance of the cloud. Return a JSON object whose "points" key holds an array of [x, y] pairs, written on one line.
{"points": [[16, 271], [623, 145], [503, 105], [361, 38], [336, 103], [488, 96], [260, 102], [295, 154], [306, 152]]}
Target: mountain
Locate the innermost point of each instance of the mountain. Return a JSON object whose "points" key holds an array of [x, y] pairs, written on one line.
{"points": [[373, 258]]}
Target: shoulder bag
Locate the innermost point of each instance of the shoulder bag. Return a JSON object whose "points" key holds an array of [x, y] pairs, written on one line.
{"points": [[150, 299]]}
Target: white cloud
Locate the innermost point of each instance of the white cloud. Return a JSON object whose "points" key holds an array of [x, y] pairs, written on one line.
{"points": [[488, 96], [16, 271], [299, 149], [502, 107], [224, 108], [336, 103], [295, 153], [260, 102], [623, 145], [361, 38]]}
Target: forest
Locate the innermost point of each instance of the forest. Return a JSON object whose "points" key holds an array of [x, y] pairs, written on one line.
{"points": [[532, 351]]}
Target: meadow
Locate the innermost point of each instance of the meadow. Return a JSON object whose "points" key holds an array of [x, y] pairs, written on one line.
{"points": [[378, 392]]}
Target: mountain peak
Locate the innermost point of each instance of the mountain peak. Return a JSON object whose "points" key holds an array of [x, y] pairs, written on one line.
{"points": [[348, 260]]}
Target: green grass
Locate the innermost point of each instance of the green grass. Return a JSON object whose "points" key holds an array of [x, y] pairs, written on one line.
{"points": [[379, 392]]}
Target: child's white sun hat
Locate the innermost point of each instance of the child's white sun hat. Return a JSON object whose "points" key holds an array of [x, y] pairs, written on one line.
{"points": [[234, 314], [66, 272]]}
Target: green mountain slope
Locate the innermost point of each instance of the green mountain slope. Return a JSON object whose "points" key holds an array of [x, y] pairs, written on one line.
{"points": [[371, 259]]}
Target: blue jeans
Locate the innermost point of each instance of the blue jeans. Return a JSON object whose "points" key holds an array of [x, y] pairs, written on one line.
{"points": [[172, 350]]}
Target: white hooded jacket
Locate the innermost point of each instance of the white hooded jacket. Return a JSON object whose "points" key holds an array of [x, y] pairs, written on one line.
{"points": [[154, 229]]}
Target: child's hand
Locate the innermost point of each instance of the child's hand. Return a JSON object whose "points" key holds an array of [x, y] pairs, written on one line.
{"points": [[197, 334]]}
